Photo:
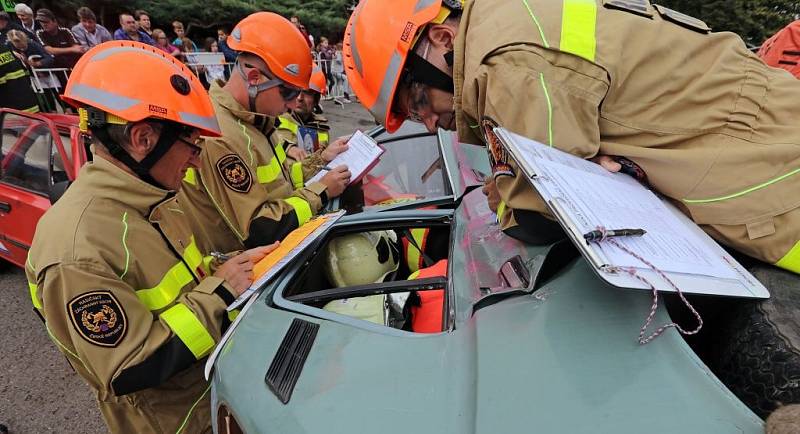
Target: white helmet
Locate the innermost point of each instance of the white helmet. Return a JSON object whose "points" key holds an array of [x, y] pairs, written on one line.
{"points": [[362, 258]]}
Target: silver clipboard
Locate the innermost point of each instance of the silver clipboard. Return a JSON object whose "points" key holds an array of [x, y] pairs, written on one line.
{"points": [[746, 286]]}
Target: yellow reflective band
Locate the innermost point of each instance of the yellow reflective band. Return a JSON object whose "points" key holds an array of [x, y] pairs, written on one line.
{"points": [[190, 177], [33, 109], [268, 173], [414, 275], [301, 208], [163, 294], [536, 23], [34, 299], [413, 255], [501, 209], [744, 192], [578, 25], [323, 138], [297, 174], [188, 415], [233, 314], [280, 153], [288, 124], [549, 110], [189, 329], [791, 261], [13, 76]]}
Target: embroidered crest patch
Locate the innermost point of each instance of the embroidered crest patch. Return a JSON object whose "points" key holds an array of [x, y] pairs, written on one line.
{"points": [[235, 173], [98, 317]]}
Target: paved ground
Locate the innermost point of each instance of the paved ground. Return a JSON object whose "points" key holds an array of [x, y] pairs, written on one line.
{"points": [[39, 392]]}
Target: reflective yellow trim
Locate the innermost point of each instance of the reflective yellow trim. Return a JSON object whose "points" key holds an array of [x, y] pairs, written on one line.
{"points": [[297, 175], [413, 256], [323, 137], [301, 208], [744, 192], [791, 261], [34, 299], [233, 314], [170, 286], [414, 275], [268, 173], [189, 329], [32, 109], [501, 209], [578, 26], [13, 76], [190, 177], [288, 124], [188, 415]]}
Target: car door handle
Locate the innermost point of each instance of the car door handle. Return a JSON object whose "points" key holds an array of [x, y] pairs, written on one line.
{"points": [[5, 207]]}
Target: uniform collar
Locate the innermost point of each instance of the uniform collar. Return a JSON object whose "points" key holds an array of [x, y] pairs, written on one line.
{"points": [[222, 98], [111, 182]]}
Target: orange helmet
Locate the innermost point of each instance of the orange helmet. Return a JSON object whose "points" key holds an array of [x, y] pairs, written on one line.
{"points": [[105, 78], [318, 83], [377, 41], [278, 43]]}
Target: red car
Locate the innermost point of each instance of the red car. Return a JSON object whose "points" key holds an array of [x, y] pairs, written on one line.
{"points": [[40, 155]]}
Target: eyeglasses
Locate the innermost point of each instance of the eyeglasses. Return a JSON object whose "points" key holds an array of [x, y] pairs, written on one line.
{"points": [[196, 150], [416, 101], [288, 93]]}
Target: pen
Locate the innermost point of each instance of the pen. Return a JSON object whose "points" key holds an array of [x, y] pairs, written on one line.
{"points": [[598, 234], [321, 167], [220, 257]]}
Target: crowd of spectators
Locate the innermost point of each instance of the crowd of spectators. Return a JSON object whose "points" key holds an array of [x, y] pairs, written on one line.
{"points": [[39, 41]]}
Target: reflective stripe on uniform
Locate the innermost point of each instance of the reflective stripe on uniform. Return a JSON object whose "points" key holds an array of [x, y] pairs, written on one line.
{"points": [[32, 287], [323, 137], [190, 177], [268, 173], [791, 261], [189, 329], [289, 124], [301, 208], [578, 25], [414, 255], [297, 175], [501, 209], [170, 286], [34, 298]]}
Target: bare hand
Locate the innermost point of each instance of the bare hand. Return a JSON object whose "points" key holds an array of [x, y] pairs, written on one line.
{"points": [[607, 162], [336, 181], [492, 194], [238, 271], [337, 147], [296, 153]]}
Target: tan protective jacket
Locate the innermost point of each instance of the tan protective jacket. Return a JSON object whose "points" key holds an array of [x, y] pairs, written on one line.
{"points": [[126, 296], [288, 132], [242, 195], [715, 129]]}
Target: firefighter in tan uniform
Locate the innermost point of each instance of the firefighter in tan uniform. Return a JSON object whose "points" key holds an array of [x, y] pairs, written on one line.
{"points": [[702, 119], [242, 194], [114, 271]]}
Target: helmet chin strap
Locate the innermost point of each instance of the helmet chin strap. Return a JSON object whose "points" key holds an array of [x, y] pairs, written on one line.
{"points": [[169, 135], [254, 89]]}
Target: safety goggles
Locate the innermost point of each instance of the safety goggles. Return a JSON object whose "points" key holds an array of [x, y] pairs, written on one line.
{"points": [[288, 93]]}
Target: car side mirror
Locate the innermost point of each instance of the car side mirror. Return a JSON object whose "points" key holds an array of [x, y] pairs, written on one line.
{"points": [[57, 190]]}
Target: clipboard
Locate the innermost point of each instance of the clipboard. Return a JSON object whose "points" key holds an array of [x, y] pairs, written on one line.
{"points": [[373, 152], [740, 283]]}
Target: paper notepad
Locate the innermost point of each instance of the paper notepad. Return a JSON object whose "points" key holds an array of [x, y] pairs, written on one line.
{"points": [[361, 155], [289, 248], [583, 196]]}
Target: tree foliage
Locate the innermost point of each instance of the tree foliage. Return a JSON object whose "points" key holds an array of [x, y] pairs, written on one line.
{"points": [[753, 20], [321, 17]]}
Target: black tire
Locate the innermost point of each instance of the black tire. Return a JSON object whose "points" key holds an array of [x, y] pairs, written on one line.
{"points": [[758, 354]]}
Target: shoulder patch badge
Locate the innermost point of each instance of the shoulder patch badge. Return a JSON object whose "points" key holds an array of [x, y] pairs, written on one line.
{"points": [[98, 317], [235, 173]]}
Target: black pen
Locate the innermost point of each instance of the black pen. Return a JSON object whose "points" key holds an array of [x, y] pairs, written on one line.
{"points": [[220, 257], [598, 234], [321, 167]]}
